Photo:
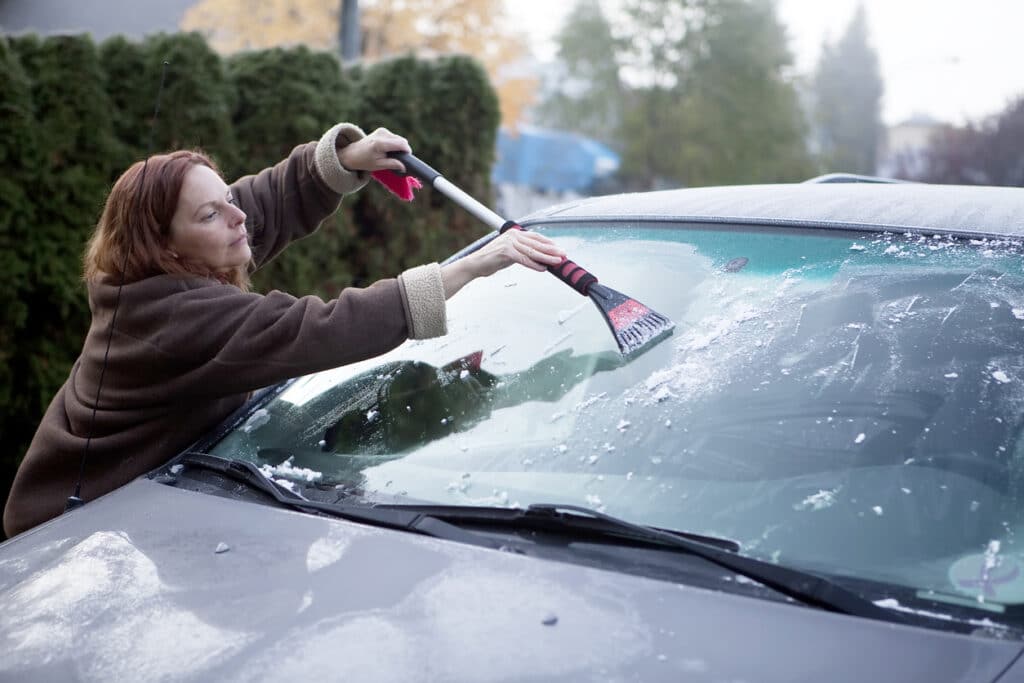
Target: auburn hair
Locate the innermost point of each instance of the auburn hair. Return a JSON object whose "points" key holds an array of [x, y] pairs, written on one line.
{"points": [[136, 222]]}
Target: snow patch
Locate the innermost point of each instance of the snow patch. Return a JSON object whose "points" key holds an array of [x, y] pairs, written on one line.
{"points": [[1000, 377], [287, 469], [818, 501]]}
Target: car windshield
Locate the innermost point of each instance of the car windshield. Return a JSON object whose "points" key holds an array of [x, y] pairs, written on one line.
{"points": [[837, 401]]}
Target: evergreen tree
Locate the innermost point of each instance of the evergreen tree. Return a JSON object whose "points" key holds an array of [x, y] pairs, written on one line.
{"points": [[589, 97], [449, 112], [463, 112], [195, 105], [197, 100], [656, 129], [130, 89], [716, 106], [285, 97], [20, 159], [74, 142], [848, 94], [745, 114]]}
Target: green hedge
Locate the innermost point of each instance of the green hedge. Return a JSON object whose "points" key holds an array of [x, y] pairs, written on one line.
{"points": [[19, 159], [74, 115]]}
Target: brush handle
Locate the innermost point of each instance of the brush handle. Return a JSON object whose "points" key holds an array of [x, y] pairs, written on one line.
{"points": [[415, 167], [574, 275], [428, 176], [567, 271]]}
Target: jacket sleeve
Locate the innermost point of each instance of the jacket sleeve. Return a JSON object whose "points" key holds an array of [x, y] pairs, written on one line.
{"points": [[228, 341], [291, 199]]}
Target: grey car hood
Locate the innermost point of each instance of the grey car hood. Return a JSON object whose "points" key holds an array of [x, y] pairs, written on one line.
{"points": [[156, 583]]}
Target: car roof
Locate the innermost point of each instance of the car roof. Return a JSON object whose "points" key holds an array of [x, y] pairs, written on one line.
{"points": [[959, 209]]}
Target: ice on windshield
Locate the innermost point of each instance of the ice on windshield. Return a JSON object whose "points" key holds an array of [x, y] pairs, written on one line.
{"points": [[817, 389]]}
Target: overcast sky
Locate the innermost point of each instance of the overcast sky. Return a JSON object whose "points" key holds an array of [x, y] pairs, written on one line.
{"points": [[954, 60]]}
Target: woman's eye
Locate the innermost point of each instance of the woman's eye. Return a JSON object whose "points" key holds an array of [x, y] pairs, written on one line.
{"points": [[210, 216]]}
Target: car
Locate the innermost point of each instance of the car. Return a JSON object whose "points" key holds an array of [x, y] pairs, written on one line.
{"points": [[818, 475]]}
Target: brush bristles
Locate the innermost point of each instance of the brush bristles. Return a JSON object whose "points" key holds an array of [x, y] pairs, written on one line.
{"points": [[642, 331], [635, 326]]}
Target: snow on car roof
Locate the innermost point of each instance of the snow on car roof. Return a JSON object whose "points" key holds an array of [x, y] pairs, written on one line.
{"points": [[973, 210]]}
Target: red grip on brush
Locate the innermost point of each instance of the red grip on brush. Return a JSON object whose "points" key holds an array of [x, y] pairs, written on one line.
{"points": [[574, 275], [569, 272]]}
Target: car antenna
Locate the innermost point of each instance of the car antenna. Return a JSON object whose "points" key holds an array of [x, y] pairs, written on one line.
{"points": [[75, 499]]}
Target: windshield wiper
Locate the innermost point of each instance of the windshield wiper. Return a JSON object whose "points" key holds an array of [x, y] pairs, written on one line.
{"points": [[545, 517], [802, 586], [806, 587], [436, 521], [393, 517]]}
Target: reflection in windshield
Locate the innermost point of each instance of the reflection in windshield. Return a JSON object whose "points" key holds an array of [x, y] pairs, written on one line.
{"points": [[843, 403], [409, 403]]}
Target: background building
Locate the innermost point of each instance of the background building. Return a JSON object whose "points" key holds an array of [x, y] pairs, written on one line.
{"points": [[905, 145]]}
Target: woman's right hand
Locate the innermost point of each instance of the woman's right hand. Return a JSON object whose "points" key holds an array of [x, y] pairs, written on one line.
{"points": [[530, 249]]}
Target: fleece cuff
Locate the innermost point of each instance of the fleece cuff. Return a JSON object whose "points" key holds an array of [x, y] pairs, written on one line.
{"points": [[424, 301], [337, 177]]}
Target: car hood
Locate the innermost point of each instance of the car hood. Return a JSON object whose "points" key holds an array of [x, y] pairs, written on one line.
{"points": [[152, 582]]}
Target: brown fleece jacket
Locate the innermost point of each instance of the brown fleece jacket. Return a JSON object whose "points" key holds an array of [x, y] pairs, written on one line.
{"points": [[186, 351]]}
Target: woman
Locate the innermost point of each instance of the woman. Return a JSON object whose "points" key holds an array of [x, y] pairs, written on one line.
{"points": [[189, 342]]}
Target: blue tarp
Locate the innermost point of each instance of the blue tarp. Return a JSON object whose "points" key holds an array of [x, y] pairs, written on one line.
{"points": [[551, 160]]}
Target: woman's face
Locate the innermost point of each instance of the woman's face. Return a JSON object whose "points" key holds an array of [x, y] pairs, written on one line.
{"points": [[208, 227]]}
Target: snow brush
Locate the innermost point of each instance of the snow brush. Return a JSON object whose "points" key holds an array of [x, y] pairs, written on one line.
{"points": [[635, 326]]}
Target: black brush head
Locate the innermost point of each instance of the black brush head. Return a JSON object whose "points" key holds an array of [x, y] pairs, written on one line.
{"points": [[635, 326]]}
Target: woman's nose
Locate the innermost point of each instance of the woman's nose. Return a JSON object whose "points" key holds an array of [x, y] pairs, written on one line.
{"points": [[239, 215]]}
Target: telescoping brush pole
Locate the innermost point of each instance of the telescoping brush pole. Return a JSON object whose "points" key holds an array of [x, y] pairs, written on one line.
{"points": [[635, 326]]}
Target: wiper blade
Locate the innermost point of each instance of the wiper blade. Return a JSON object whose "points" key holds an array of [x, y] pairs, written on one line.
{"points": [[434, 520], [806, 587], [543, 516], [393, 517], [585, 517], [802, 586]]}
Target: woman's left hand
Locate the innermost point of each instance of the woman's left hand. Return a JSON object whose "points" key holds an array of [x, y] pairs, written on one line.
{"points": [[371, 153], [528, 249]]}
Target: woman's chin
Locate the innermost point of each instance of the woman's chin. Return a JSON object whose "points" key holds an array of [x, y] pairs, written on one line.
{"points": [[241, 255]]}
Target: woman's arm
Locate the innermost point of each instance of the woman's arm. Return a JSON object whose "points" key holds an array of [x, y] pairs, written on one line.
{"points": [[291, 199], [529, 249], [228, 341], [216, 340]]}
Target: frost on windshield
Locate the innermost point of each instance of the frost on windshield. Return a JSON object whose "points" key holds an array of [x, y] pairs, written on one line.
{"points": [[816, 389], [877, 395]]}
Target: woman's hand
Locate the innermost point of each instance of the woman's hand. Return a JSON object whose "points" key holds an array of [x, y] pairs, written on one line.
{"points": [[529, 249], [371, 153]]}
